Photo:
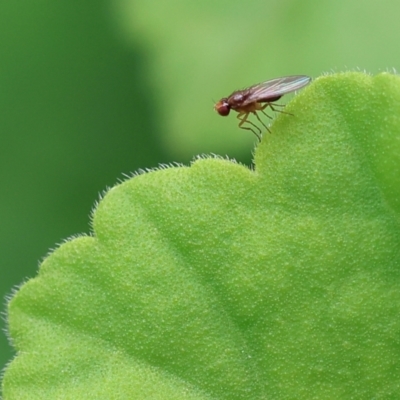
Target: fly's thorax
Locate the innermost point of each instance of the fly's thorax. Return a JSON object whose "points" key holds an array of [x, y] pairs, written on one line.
{"points": [[237, 99]]}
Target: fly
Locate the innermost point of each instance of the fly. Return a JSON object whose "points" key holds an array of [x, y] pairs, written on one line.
{"points": [[258, 98]]}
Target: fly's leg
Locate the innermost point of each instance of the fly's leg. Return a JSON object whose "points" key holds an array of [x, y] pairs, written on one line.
{"points": [[243, 118], [272, 107], [263, 108], [262, 123], [276, 110]]}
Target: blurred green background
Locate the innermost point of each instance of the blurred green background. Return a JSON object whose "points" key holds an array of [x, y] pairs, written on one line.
{"points": [[91, 90]]}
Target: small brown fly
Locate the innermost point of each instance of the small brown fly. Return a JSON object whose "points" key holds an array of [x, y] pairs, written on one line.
{"points": [[258, 98]]}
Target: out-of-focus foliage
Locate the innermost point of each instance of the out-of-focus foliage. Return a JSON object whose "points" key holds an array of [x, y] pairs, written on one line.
{"points": [[76, 112], [205, 50], [90, 90]]}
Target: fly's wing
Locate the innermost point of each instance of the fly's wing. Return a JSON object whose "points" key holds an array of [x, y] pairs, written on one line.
{"points": [[273, 88]]}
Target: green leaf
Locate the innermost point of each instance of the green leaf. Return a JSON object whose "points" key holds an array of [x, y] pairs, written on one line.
{"points": [[219, 282]]}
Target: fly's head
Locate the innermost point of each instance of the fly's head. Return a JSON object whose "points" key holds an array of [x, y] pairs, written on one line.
{"points": [[222, 107]]}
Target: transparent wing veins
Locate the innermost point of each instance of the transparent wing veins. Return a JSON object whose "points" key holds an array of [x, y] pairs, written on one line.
{"points": [[276, 87]]}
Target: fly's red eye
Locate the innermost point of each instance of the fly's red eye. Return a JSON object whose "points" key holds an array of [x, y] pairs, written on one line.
{"points": [[222, 108]]}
